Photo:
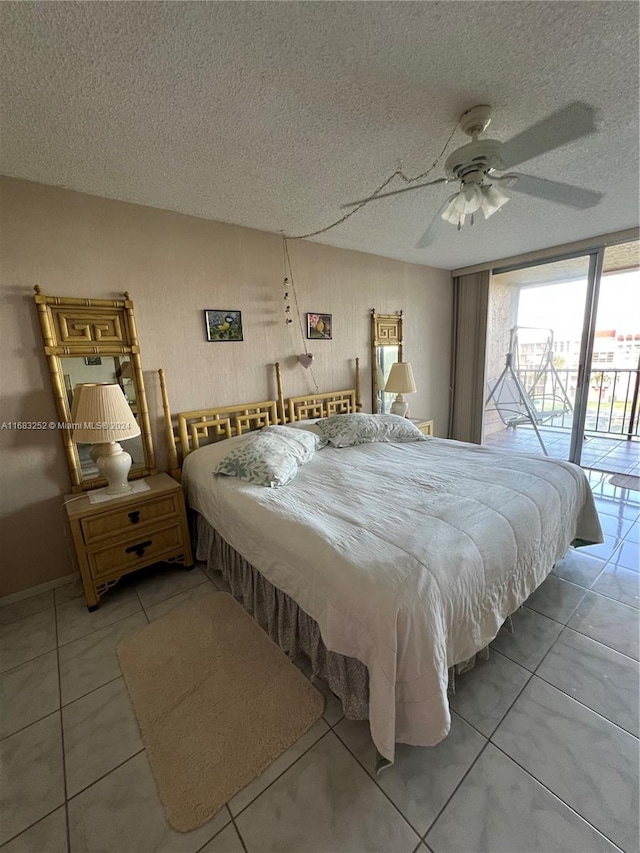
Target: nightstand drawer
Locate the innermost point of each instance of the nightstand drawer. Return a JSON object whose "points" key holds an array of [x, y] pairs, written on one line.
{"points": [[125, 520], [141, 549]]}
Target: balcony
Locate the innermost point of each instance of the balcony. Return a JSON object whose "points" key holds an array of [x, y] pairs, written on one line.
{"points": [[612, 425]]}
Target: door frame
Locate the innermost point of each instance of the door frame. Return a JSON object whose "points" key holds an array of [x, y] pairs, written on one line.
{"points": [[594, 276]]}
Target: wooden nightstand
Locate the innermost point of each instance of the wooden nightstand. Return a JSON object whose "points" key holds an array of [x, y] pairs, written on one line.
{"points": [[425, 427], [119, 536]]}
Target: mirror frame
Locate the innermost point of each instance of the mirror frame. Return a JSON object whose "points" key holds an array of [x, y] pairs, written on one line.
{"points": [[91, 327], [386, 331]]}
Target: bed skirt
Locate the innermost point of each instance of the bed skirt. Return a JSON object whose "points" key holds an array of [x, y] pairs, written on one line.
{"points": [[293, 629], [287, 625]]}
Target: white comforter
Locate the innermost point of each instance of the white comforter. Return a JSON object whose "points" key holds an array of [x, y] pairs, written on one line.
{"points": [[408, 556]]}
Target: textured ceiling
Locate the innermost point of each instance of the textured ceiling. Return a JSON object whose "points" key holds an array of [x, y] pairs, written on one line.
{"points": [[272, 115]]}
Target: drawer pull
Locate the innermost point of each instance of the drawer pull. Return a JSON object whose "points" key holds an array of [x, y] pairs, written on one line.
{"points": [[139, 549], [134, 517]]}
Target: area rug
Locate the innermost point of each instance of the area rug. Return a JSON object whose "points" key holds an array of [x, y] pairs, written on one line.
{"points": [[626, 481], [216, 701]]}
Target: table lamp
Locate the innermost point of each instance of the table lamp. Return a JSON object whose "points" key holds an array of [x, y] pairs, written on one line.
{"points": [[104, 418], [400, 382]]}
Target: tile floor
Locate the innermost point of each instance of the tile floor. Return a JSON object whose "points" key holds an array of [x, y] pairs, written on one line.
{"points": [[598, 452], [542, 754]]}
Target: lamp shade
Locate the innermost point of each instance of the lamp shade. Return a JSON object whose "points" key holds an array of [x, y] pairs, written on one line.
{"points": [[473, 197], [400, 379], [102, 415]]}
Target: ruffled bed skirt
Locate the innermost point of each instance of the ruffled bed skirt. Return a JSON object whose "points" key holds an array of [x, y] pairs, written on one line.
{"points": [[286, 623], [293, 629]]}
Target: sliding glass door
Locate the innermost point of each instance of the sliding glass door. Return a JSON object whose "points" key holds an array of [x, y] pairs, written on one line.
{"points": [[563, 359], [611, 434], [534, 355]]}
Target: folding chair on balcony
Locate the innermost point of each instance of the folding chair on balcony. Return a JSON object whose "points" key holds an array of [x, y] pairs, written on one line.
{"points": [[515, 406]]}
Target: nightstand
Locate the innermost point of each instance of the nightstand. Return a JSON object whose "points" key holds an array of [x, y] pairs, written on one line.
{"points": [[122, 535], [425, 427]]}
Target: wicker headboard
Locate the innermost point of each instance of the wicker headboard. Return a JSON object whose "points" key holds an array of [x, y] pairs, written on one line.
{"points": [[187, 431], [320, 405]]}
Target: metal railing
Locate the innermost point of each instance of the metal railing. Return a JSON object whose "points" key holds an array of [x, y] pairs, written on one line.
{"points": [[612, 405]]}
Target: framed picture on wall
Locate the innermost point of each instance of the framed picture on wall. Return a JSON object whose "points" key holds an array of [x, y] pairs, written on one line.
{"points": [[223, 325], [319, 327], [93, 361]]}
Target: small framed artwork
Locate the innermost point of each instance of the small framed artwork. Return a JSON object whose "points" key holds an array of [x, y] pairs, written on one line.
{"points": [[223, 325], [93, 361], [319, 327]]}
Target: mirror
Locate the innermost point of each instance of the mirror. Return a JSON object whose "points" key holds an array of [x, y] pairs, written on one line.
{"points": [[95, 341], [386, 348], [116, 370]]}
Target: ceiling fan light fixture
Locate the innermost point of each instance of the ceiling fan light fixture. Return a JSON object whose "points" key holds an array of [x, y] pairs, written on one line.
{"points": [[451, 213], [471, 198], [493, 200]]}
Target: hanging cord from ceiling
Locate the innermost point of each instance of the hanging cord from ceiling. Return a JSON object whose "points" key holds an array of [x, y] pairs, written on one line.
{"points": [[289, 283], [397, 173], [290, 286]]}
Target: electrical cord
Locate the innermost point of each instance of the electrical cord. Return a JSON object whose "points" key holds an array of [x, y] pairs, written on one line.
{"points": [[288, 270]]}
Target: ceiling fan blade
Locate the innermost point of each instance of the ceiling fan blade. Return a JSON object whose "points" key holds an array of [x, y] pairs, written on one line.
{"points": [[429, 236], [565, 125], [567, 194], [396, 192]]}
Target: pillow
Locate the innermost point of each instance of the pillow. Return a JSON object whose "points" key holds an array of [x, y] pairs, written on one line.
{"points": [[270, 458], [347, 430], [301, 443], [262, 459], [311, 426]]}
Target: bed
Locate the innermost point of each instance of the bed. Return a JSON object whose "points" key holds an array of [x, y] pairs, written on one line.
{"points": [[389, 563]]}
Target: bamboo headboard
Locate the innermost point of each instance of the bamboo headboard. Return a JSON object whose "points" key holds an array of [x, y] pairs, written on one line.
{"points": [[321, 405], [187, 431], [324, 405]]}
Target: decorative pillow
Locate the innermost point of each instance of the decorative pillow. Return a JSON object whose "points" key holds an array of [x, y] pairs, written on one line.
{"points": [[347, 430], [302, 442], [262, 459], [310, 425]]}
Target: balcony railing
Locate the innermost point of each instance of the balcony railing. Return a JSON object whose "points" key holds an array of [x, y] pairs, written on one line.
{"points": [[612, 405]]}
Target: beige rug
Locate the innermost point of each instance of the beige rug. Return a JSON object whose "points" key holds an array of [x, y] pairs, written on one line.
{"points": [[626, 481], [216, 701]]}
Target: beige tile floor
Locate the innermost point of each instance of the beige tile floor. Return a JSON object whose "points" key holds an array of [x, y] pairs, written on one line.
{"points": [[599, 452], [542, 753]]}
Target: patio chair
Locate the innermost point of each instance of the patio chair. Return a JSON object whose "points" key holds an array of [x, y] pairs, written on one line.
{"points": [[514, 405]]}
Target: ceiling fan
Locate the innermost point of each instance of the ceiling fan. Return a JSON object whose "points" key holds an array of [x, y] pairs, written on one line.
{"points": [[479, 167]]}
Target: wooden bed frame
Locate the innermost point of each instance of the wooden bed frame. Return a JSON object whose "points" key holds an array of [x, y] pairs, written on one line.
{"points": [[187, 431]]}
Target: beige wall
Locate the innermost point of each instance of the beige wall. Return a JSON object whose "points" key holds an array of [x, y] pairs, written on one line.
{"points": [[174, 266]]}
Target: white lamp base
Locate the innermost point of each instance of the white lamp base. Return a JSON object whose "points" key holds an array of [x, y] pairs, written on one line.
{"points": [[114, 464], [399, 406]]}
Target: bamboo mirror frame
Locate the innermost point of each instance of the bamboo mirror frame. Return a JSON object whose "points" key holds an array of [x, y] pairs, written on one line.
{"points": [[386, 348], [88, 330]]}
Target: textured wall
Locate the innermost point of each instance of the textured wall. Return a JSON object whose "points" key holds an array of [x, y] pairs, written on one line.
{"points": [[174, 266]]}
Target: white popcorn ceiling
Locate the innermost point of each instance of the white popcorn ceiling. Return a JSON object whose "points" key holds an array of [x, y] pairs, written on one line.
{"points": [[272, 115]]}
